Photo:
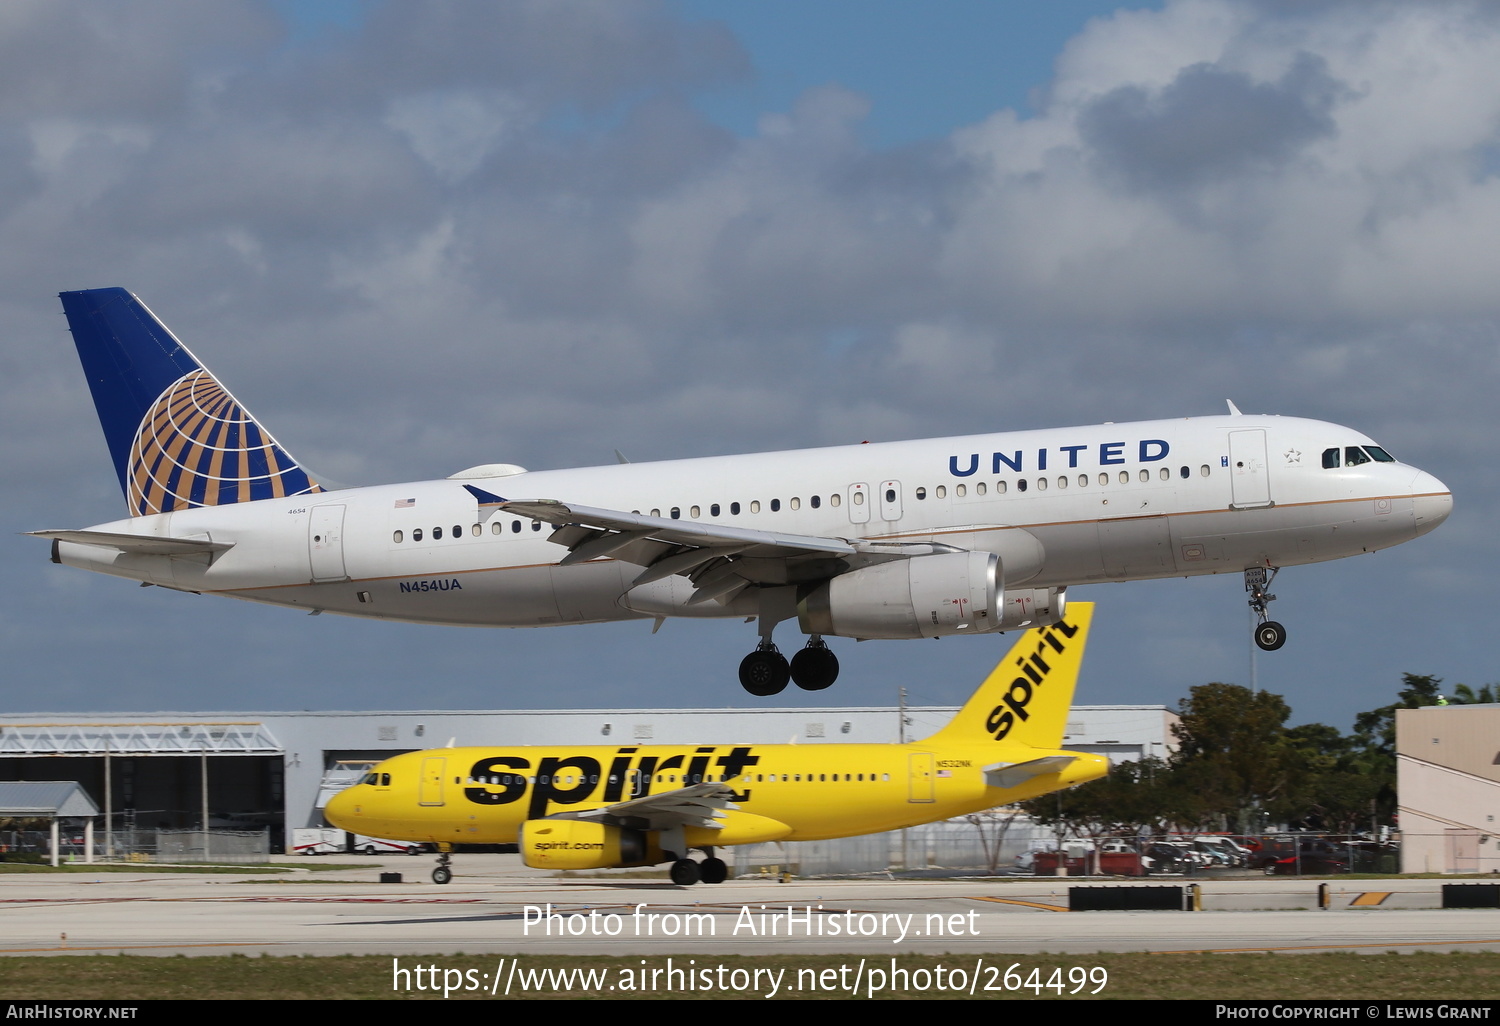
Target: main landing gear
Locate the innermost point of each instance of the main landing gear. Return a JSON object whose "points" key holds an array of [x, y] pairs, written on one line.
{"points": [[1269, 634], [766, 671], [686, 872]]}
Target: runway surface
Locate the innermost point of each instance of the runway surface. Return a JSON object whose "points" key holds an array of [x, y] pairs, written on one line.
{"points": [[496, 906]]}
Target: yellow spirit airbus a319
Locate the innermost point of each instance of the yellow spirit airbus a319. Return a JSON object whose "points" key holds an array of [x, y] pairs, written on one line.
{"points": [[594, 807]]}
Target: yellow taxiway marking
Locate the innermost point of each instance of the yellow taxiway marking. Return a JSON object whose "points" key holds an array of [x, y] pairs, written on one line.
{"points": [[1371, 898], [1025, 904]]}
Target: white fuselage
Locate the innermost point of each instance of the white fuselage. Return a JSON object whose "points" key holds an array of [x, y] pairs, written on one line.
{"points": [[1060, 507]]}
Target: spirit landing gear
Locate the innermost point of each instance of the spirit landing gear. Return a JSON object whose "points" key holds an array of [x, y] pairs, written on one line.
{"points": [[686, 872], [443, 873], [1269, 634], [766, 671]]}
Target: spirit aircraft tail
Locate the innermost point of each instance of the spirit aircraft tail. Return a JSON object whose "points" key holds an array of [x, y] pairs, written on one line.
{"points": [[177, 437], [1026, 698]]}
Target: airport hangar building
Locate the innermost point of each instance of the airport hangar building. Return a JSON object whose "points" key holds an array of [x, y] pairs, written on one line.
{"points": [[276, 770]]}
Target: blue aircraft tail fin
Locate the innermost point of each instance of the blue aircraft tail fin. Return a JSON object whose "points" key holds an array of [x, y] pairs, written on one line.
{"points": [[177, 437]]}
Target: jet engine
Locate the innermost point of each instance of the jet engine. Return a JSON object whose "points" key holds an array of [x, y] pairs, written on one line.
{"points": [[925, 597], [584, 844]]}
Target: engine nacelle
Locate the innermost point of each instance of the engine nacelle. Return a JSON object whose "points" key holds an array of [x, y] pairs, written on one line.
{"points": [[1032, 607], [584, 844], [923, 597]]}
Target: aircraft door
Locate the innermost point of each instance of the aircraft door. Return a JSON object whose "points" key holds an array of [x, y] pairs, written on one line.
{"points": [[430, 790], [920, 780], [890, 500], [859, 503], [325, 543], [1249, 473]]}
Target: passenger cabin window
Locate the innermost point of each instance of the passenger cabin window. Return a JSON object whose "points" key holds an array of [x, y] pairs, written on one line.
{"points": [[416, 534], [437, 534], [835, 499], [396, 537], [815, 502], [734, 509]]}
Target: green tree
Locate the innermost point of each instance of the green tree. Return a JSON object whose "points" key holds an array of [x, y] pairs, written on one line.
{"points": [[1234, 763]]}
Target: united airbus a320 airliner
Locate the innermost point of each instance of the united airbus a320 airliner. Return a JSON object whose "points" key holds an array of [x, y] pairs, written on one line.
{"points": [[922, 539]]}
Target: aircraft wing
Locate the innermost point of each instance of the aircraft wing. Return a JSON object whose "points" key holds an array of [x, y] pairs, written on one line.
{"points": [[1014, 774], [695, 805], [719, 558]]}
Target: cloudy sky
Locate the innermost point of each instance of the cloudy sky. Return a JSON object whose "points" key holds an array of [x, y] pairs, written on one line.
{"points": [[418, 237]]}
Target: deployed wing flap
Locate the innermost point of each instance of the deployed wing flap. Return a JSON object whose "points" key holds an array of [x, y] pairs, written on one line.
{"points": [[1015, 774], [141, 544]]}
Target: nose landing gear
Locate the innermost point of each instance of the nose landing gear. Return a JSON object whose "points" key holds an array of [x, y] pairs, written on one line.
{"points": [[1269, 635], [443, 872]]}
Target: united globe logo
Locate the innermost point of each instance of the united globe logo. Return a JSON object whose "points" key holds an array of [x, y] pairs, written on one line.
{"points": [[197, 446]]}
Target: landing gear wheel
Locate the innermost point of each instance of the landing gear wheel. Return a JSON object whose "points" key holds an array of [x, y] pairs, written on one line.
{"points": [[441, 875], [764, 672], [815, 667], [712, 871], [685, 873], [1270, 636]]}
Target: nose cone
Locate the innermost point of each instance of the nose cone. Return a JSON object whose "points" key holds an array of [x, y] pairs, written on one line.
{"points": [[342, 810], [1431, 501]]}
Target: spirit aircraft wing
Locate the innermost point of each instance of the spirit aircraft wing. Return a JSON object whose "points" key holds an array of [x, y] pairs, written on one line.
{"points": [[698, 805]]}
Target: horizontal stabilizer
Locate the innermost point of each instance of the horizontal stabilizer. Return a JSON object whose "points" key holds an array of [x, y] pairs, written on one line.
{"points": [[142, 544], [1017, 773]]}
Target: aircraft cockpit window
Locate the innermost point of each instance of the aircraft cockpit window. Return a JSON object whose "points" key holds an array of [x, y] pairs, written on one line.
{"points": [[1379, 455], [385, 780], [1331, 458], [369, 778], [1354, 456]]}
